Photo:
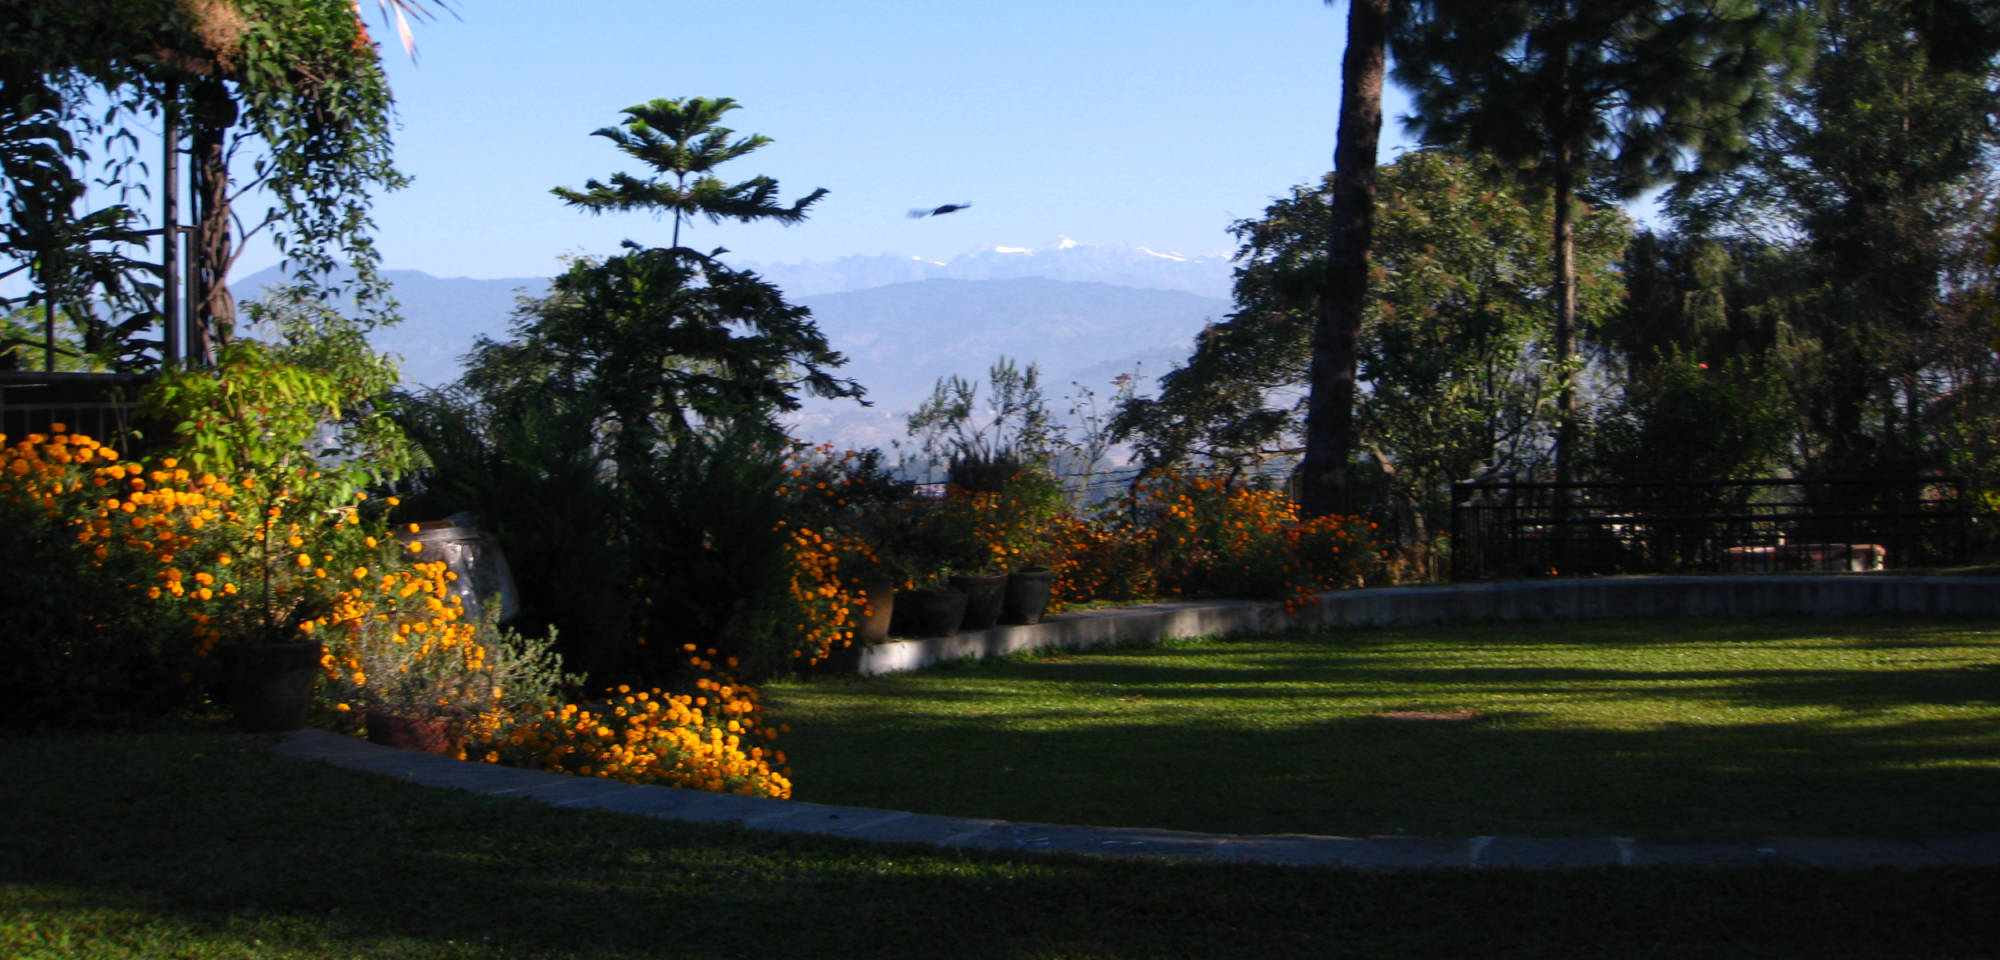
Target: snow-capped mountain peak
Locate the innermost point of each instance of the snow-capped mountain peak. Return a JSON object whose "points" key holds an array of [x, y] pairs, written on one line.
{"points": [[1115, 264]]}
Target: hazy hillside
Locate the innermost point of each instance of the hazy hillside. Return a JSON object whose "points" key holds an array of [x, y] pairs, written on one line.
{"points": [[441, 317], [899, 338]]}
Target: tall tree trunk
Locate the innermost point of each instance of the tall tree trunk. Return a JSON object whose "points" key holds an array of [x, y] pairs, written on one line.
{"points": [[212, 311], [170, 232], [1565, 245], [1330, 408]]}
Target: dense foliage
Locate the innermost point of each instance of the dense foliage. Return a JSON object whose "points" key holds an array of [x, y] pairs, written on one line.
{"points": [[291, 90], [1454, 348]]}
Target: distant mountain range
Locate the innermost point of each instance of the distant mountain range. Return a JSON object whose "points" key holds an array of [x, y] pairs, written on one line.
{"points": [[1117, 264], [901, 338], [900, 334]]}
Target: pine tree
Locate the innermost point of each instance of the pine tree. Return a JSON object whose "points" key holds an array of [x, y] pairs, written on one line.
{"points": [[1330, 406], [1867, 184], [1599, 97]]}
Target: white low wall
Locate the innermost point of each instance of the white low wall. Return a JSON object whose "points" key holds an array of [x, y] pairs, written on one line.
{"points": [[1735, 596]]}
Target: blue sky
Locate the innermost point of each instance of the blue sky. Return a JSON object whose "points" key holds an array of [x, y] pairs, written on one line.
{"points": [[1152, 124]]}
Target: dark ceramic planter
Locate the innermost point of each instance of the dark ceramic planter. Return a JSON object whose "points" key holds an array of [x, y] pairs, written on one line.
{"points": [[271, 684], [870, 620], [1027, 596], [871, 617], [927, 613], [983, 598]]}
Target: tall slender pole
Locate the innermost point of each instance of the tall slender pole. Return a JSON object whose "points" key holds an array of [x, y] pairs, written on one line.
{"points": [[48, 331], [191, 317], [170, 233]]}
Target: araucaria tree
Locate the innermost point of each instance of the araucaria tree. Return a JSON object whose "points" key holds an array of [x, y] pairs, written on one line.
{"points": [[682, 139], [625, 440], [666, 339], [1591, 97]]}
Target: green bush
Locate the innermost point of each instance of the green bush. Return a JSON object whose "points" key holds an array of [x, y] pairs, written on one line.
{"points": [[78, 649], [709, 556]]}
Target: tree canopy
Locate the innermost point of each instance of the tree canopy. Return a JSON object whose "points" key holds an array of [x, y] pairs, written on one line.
{"points": [[292, 82], [1603, 97], [1453, 360]]}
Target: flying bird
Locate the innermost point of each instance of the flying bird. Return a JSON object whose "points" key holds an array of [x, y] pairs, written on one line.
{"points": [[940, 211]]}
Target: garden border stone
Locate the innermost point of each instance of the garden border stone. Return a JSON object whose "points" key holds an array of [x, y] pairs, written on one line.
{"points": [[1749, 595], [1360, 853]]}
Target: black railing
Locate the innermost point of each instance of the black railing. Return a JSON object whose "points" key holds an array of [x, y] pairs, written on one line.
{"points": [[1529, 529], [99, 404]]}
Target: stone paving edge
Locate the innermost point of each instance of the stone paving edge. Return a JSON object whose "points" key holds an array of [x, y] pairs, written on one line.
{"points": [[890, 826]]}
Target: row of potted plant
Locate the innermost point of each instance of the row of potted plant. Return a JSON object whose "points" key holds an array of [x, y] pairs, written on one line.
{"points": [[1000, 543]]}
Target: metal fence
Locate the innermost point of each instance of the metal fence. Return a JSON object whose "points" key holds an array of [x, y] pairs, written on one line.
{"points": [[1528, 529], [98, 404]]}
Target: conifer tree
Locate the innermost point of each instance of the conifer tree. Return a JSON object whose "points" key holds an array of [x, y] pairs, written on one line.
{"points": [[1598, 98], [683, 142], [664, 341], [1330, 434]]}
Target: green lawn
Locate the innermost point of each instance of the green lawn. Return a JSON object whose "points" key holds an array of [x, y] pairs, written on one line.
{"points": [[1839, 726], [192, 845]]}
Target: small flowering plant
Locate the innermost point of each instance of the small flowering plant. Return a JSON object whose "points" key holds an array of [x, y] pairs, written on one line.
{"points": [[245, 501], [714, 739], [398, 642]]}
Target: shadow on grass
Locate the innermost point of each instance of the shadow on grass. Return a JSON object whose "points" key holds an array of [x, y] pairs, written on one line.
{"points": [[190, 846], [1262, 736], [1374, 776]]}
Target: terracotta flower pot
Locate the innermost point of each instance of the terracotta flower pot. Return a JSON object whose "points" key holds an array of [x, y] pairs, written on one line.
{"points": [[983, 597], [423, 734], [1027, 596]]}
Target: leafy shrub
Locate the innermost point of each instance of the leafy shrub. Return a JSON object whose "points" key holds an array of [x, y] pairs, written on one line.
{"points": [[1680, 420], [78, 646], [1182, 535], [398, 640], [544, 496]]}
